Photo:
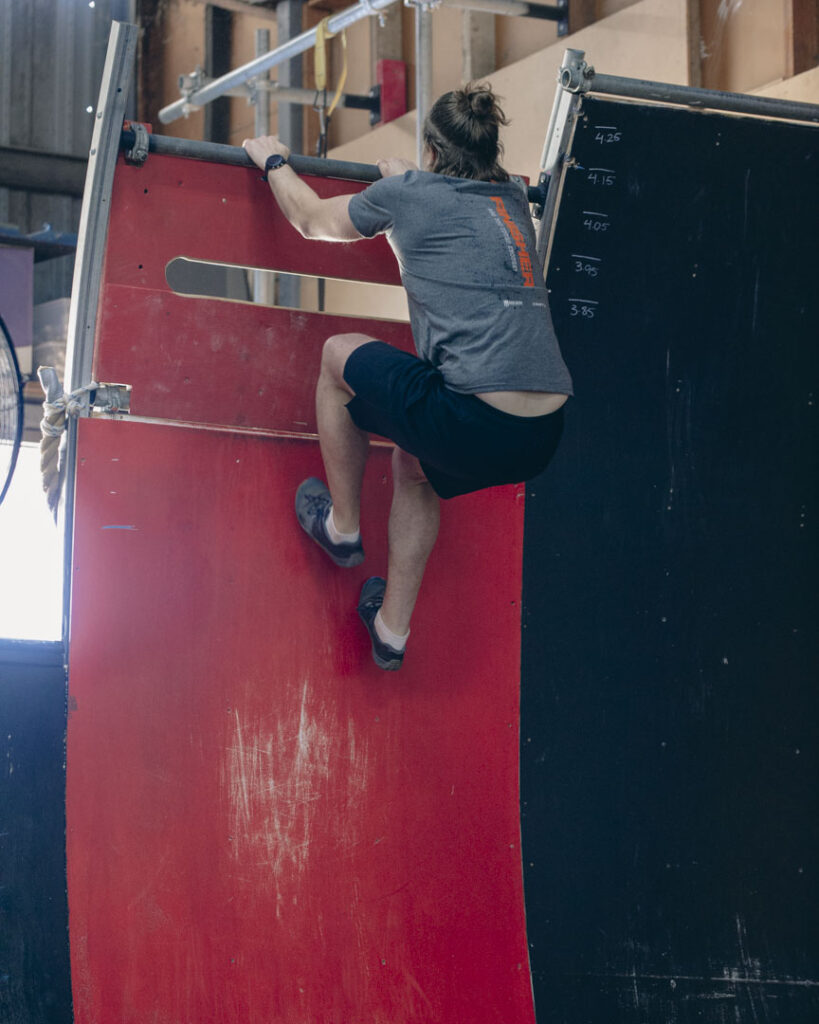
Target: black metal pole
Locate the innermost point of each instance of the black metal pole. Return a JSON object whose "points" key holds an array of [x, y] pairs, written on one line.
{"points": [[705, 99], [357, 101], [547, 12], [237, 157]]}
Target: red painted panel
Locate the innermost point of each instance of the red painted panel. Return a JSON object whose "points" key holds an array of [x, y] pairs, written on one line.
{"points": [[391, 75], [173, 207], [209, 361], [262, 826]]}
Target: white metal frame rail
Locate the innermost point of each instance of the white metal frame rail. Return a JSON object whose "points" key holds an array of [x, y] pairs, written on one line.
{"points": [[577, 78]]}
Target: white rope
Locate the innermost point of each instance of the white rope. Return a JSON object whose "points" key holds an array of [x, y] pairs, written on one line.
{"points": [[56, 408]]}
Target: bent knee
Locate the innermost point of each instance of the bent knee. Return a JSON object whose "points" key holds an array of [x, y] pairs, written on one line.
{"points": [[337, 350], [406, 469]]}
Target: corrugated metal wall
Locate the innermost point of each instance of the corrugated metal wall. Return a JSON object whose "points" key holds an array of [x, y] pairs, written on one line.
{"points": [[51, 59]]}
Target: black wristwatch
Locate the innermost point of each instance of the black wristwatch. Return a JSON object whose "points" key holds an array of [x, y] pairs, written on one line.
{"points": [[273, 163]]}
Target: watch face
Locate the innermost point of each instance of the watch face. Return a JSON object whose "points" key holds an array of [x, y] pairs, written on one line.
{"points": [[273, 161]]}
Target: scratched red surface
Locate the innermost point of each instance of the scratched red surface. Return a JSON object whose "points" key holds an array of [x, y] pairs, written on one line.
{"points": [[262, 826]]}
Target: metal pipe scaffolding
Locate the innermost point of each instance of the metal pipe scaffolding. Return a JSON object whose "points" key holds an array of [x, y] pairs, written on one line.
{"points": [[265, 89], [292, 48], [576, 76], [423, 74], [706, 99], [299, 44]]}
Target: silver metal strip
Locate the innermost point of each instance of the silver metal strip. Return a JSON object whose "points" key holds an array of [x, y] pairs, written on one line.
{"points": [[552, 162], [423, 74], [117, 76], [99, 178]]}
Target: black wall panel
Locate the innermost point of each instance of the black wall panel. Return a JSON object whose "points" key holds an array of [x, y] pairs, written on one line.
{"points": [[670, 661]]}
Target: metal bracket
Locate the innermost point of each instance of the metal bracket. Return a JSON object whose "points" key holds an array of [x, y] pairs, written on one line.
{"points": [[375, 113], [372, 12], [251, 91], [543, 189], [112, 399], [575, 75], [138, 153], [563, 24], [188, 86]]}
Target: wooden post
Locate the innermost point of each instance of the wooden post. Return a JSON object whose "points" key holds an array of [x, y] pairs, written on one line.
{"points": [[694, 43], [582, 13], [385, 40], [477, 44], [801, 36]]}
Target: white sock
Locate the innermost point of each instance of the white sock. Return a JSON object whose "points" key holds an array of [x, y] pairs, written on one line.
{"points": [[336, 536], [386, 635]]}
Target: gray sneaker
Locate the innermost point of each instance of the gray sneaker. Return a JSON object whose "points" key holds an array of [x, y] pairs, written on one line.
{"points": [[372, 596], [313, 502]]}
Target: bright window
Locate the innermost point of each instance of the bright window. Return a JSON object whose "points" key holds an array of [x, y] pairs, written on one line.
{"points": [[31, 557]]}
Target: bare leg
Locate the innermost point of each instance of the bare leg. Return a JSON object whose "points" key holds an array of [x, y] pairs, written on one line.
{"points": [[344, 447], [413, 529], [415, 512]]}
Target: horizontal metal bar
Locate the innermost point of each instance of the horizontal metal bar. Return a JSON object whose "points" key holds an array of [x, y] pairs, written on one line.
{"points": [[45, 246], [292, 48], [308, 97], [357, 101], [512, 8], [37, 171], [303, 97], [217, 153], [707, 99], [236, 156], [547, 12]]}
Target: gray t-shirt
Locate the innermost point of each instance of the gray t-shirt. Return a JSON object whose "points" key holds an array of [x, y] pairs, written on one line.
{"points": [[478, 306]]}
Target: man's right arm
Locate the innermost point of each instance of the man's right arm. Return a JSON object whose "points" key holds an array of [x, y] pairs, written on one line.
{"points": [[312, 216]]}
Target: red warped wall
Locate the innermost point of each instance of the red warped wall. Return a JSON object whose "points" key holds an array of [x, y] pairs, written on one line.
{"points": [[262, 826]]}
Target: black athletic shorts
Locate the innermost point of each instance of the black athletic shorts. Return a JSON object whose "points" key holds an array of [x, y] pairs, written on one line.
{"points": [[462, 443]]}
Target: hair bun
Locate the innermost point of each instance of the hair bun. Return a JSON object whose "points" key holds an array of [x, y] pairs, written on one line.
{"points": [[481, 102]]}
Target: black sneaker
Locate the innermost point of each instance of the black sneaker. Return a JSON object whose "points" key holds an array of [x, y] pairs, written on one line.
{"points": [[372, 595], [313, 502]]}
